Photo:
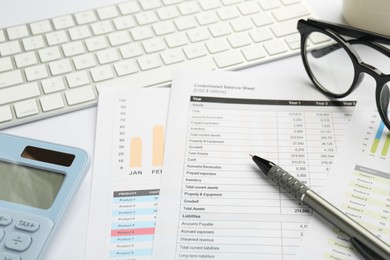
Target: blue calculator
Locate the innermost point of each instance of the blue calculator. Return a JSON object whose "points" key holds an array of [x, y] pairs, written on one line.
{"points": [[37, 182]]}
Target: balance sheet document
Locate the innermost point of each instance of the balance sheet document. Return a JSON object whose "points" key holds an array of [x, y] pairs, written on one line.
{"points": [[214, 203]]}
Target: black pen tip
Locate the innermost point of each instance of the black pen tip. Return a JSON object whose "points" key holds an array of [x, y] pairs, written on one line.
{"points": [[262, 163]]}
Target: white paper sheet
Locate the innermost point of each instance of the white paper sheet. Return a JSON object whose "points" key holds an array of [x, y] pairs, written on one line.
{"points": [[126, 172], [214, 204], [358, 184]]}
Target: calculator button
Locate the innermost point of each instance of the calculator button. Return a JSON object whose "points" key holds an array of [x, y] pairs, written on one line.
{"points": [[27, 225], [5, 220], [1, 236], [8, 256], [18, 242]]}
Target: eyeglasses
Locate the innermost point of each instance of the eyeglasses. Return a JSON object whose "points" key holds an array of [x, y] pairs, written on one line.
{"points": [[335, 68]]}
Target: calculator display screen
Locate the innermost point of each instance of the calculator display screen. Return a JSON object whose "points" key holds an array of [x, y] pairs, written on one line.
{"points": [[29, 186]]}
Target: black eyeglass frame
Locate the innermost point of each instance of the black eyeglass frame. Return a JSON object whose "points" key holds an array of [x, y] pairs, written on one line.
{"points": [[336, 31]]}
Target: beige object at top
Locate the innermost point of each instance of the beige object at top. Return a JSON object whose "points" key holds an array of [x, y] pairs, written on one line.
{"points": [[372, 15]]}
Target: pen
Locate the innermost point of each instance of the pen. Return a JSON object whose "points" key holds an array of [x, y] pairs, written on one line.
{"points": [[365, 242]]}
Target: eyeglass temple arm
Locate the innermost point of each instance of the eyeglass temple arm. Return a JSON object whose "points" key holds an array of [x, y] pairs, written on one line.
{"points": [[352, 31], [318, 53]]}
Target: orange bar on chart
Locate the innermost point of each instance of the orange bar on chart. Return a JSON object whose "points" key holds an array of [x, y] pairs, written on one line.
{"points": [[136, 152], [158, 145]]}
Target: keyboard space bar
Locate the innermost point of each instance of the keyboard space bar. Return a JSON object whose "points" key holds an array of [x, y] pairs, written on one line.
{"points": [[158, 77]]}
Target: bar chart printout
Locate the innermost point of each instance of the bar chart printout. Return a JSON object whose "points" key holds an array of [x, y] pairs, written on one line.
{"points": [[133, 138], [220, 207], [379, 138]]}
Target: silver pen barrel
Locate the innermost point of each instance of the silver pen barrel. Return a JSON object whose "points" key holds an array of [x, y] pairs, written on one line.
{"points": [[328, 211]]}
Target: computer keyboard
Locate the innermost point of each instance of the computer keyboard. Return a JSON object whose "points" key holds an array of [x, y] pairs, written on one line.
{"points": [[55, 66]]}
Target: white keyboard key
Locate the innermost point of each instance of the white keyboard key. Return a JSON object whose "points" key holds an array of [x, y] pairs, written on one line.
{"points": [[103, 27], [58, 37], [77, 79], [166, 13], [17, 32], [119, 38], [96, 43], [150, 4], [5, 64], [33, 43], [2, 36], [194, 51], [248, 8], [220, 29], [185, 23], [52, 102], [290, 12], [275, 47], [260, 34], [241, 24], [26, 108], [25, 59], [129, 8], [146, 18], [227, 59], [5, 114], [41, 27], [107, 56], [198, 34], [130, 50], [228, 13], [9, 48], [36, 72], [60, 67], [79, 32], [239, 40], [171, 2], [63, 22], [10, 78], [49, 54], [149, 62], [290, 2], [107, 12], [205, 18], [284, 28], [153, 45], [269, 4], [217, 45], [79, 95], [125, 67], [172, 56], [124, 22], [102, 73], [141, 33], [262, 19], [230, 2], [73, 48], [188, 8], [85, 17], [19, 92], [254, 52], [84, 61], [53, 84], [163, 28], [176, 39], [209, 4], [293, 41]]}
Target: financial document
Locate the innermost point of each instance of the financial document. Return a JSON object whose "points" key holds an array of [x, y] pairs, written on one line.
{"points": [[213, 203], [127, 166], [358, 184]]}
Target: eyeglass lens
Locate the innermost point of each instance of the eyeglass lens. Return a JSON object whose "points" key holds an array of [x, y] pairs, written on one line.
{"points": [[332, 69], [330, 65]]}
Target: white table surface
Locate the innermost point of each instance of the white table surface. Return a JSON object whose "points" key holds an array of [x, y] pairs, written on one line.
{"points": [[78, 128]]}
